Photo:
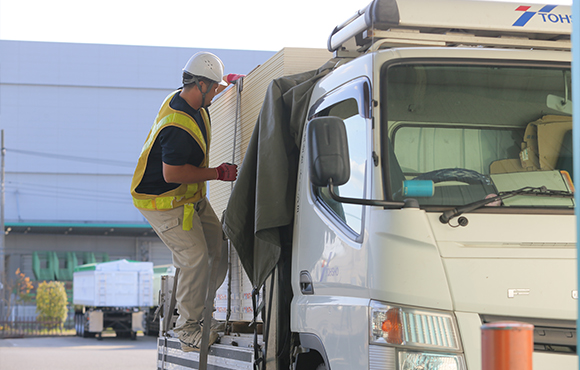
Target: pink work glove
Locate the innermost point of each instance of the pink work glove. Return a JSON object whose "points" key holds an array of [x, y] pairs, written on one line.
{"points": [[232, 78], [227, 172]]}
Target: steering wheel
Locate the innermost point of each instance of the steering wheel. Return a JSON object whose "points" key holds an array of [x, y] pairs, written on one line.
{"points": [[455, 174]]}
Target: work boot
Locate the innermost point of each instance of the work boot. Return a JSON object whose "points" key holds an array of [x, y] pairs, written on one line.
{"points": [[191, 340], [216, 325]]}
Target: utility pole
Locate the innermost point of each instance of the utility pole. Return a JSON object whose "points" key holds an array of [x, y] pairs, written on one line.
{"points": [[575, 138], [2, 232]]}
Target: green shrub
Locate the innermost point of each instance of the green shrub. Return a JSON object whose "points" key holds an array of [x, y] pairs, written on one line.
{"points": [[51, 303]]}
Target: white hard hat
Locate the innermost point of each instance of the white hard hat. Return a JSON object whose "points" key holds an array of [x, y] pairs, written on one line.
{"points": [[206, 65]]}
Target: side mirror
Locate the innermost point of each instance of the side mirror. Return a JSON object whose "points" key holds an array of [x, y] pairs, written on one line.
{"points": [[328, 151]]}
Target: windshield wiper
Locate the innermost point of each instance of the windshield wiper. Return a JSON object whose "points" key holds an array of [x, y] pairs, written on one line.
{"points": [[528, 190]]}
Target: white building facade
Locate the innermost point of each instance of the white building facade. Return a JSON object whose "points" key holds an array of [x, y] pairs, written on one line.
{"points": [[75, 117]]}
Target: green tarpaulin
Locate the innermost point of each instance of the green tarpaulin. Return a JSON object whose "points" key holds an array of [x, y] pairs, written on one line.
{"points": [[259, 215]]}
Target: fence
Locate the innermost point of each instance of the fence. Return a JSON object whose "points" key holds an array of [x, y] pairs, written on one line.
{"points": [[29, 327]]}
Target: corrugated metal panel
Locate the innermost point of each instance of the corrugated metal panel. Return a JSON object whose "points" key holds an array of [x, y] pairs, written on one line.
{"points": [[300, 60], [26, 265], [65, 64], [159, 254], [286, 62], [115, 247], [57, 170], [223, 113]]}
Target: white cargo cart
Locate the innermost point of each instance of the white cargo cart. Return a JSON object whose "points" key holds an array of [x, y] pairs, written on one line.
{"points": [[115, 295]]}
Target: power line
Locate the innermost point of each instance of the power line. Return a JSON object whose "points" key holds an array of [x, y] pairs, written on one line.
{"points": [[110, 162], [70, 196], [44, 187]]}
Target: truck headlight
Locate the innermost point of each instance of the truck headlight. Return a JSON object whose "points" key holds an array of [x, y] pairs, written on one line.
{"points": [[430, 361], [425, 339]]}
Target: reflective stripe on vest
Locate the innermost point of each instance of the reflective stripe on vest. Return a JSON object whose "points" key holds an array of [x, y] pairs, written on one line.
{"points": [[185, 194]]}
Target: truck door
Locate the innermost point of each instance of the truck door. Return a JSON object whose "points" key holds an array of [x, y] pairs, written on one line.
{"points": [[329, 256]]}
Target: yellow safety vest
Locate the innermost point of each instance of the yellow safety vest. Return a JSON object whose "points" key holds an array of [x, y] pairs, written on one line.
{"points": [[186, 194]]}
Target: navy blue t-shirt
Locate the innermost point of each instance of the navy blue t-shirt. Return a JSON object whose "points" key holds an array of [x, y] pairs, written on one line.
{"points": [[173, 146]]}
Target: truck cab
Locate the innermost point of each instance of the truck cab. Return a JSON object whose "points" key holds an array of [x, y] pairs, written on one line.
{"points": [[434, 194], [457, 209]]}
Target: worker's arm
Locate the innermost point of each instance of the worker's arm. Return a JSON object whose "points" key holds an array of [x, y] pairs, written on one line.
{"points": [[232, 78], [189, 174]]}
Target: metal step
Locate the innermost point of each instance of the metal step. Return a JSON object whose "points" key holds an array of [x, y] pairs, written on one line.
{"points": [[232, 352]]}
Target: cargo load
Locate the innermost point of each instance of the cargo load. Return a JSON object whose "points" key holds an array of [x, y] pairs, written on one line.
{"points": [[116, 294]]}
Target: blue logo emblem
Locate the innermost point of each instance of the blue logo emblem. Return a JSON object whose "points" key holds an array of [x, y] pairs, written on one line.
{"points": [[545, 13]]}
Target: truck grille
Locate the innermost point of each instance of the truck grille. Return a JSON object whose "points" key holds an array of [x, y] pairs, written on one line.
{"points": [[558, 336]]}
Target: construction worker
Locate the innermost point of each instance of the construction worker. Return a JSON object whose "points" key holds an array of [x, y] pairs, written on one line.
{"points": [[169, 189]]}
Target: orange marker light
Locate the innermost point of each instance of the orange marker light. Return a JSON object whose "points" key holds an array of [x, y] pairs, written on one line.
{"points": [[568, 180], [392, 327]]}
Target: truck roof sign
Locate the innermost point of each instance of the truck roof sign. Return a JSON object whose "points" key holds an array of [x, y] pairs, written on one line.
{"points": [[475, 17], [486, 15]]}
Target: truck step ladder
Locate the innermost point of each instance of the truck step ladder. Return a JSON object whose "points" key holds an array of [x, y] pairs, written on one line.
{"points": [[169, 303], [233, 352]]}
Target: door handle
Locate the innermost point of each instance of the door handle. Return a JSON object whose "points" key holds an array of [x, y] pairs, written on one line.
{"points": [[306, 286]]}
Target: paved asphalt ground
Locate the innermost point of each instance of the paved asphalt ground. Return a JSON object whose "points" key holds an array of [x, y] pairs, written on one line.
{"points": [[75, 353]]}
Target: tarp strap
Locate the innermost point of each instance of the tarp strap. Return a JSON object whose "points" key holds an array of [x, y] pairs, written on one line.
{"points": [[172, 302], [258, 354], [239, 88], [164, 354], [208, 311], [229, 305]]}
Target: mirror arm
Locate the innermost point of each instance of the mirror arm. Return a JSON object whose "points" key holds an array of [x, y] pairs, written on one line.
{"points": [[364, 202]]}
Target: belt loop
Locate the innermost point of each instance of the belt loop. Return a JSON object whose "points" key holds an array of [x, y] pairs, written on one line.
{"points": [[188, 210], [198, 204]]}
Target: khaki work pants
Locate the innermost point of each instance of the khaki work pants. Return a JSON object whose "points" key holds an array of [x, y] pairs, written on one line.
{"points": [[192, 252]]}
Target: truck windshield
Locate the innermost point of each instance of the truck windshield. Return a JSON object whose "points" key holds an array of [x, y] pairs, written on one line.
{"points": [[476, 131]]}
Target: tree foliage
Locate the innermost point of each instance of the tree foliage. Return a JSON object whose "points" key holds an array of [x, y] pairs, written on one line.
{"points": [[15, 291], [51, 301], [23, 287]]}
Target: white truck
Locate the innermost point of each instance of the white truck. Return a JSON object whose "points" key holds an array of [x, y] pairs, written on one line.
{"points": [[116, 295], [433, 194]]}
